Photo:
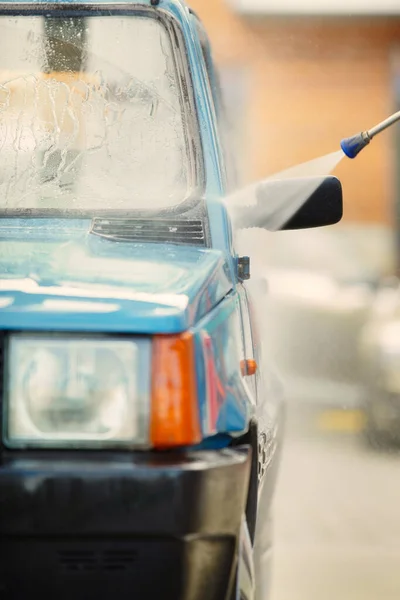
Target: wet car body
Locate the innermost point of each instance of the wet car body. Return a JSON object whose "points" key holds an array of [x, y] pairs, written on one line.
{"points": [[157, 492]]}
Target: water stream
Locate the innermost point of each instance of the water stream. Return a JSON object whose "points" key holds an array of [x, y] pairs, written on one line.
{"points": [[265, 207], [269, 205]]}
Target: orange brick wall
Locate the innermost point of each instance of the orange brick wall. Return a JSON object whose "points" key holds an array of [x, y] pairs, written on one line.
{"points": [[312, 82]]}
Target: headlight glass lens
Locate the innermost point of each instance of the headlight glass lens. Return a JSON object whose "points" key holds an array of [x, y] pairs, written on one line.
{"points": [[66, 392]]}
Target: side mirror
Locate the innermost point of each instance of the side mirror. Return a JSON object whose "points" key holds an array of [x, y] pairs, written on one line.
{"points": [[284, 204], [323, 207]]}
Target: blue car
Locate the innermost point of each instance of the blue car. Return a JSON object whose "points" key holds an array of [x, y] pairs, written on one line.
{"points": [[140, 424]]}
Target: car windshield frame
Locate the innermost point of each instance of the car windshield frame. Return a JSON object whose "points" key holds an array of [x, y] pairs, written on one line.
{"points": [[194, 201]]}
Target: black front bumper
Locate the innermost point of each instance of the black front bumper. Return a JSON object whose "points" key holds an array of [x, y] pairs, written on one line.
{"points": [[142, 526]]}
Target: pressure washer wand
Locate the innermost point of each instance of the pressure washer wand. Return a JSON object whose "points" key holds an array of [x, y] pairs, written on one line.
{"points": [[353, 145]]}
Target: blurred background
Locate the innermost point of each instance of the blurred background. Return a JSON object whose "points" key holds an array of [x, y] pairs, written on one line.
{"points": [[298, 76]]}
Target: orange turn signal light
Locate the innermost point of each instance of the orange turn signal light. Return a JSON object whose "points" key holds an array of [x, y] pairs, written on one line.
{"points": [[175, 418], [248, 367]]}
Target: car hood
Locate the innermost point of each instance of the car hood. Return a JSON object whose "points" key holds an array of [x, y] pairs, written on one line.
{"points": [[92, 284]]}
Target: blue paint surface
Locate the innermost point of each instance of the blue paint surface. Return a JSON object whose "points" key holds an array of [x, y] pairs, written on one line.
{"points": [[221, 327], [91, 284]]}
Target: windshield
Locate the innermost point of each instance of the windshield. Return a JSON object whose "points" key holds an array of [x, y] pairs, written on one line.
{"points": [[91, 114]]}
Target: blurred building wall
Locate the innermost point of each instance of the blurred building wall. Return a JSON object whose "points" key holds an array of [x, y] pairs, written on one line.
{"points": [[304, 84]]}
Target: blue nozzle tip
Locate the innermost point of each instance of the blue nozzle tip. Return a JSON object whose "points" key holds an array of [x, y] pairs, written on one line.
{"points": [[351, 146]]}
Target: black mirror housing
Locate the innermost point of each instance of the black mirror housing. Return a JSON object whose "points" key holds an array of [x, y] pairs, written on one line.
{"points": [[293, 203], [323, 207]]}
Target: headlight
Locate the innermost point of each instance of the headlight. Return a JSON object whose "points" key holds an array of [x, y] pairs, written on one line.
{"points": [[68, 392]]}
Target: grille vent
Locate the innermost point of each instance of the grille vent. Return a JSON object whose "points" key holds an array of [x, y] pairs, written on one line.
{"points": [[189, 232]]}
